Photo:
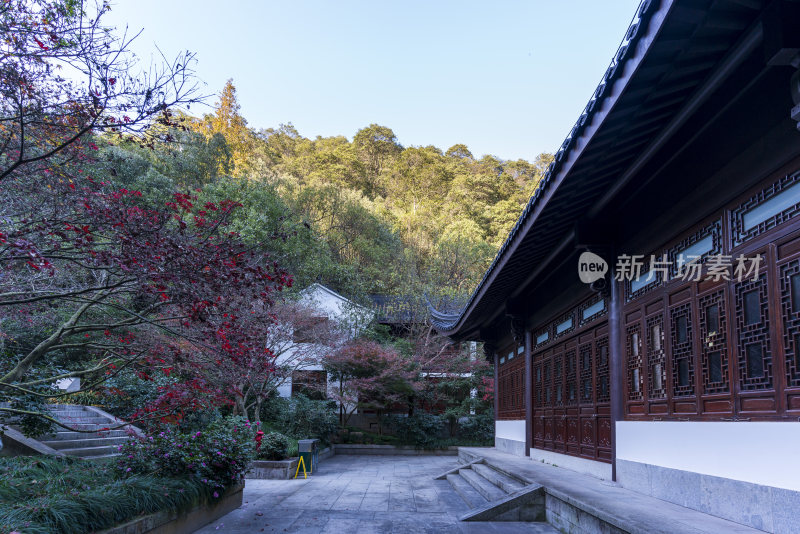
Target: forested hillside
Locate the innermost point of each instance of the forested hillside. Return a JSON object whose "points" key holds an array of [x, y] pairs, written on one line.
{"points": [[362, 216]]}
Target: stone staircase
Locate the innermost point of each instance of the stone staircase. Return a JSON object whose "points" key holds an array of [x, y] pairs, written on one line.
{"points": [[92, 445], [495, 495]]}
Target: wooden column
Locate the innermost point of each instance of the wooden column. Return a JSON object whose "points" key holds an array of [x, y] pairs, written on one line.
{"points": [[616, 342], [528, 394], [496, 360]]}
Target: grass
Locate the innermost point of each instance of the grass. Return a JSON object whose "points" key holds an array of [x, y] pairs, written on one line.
{"points": [[41, 495]]}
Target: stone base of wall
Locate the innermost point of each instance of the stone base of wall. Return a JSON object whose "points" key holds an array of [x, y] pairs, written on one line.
{"points": [[511, 446], [581, 465], [762, 507], [572, 520], [182, 523]]}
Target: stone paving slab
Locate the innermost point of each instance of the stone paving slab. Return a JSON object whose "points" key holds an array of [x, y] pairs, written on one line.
{"points": [[361, 495]]}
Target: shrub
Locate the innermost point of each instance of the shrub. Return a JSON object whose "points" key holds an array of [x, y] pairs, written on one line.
{"points": [[302, 418], [274, 446], [423, 430], [477, 428], [218, 456]]}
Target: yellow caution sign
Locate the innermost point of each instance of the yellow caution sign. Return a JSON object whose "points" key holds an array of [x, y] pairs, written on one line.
{"points": [[301, 462]]}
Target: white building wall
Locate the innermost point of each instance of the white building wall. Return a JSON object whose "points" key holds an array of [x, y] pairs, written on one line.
{"points": [[510, 430], [764, 453], [509, 436], [335, 307]]}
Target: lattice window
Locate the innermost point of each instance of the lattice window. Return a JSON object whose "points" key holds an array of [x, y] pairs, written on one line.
{"points": [[656, 359], [703, 243], [634, 357], [790, 307], [564, 325], [752, 320], [714, 339], [558, 382], [592, 309], [538, 381], [547, 372], [603, 375], [773, 205], [543, 337], [571, 378], [639, 286], [585, 365], [682, 337]]}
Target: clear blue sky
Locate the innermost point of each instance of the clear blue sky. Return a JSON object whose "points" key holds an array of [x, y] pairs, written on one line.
{"points": [[507, 78]]}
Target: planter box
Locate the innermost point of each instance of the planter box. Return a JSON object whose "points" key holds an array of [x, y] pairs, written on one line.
{"points": [[181, 522], [282, 469], [392, 450], [273, 469]]}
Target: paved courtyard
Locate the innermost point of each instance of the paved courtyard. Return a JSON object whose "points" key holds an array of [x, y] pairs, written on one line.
{"points": [[361, 494]]}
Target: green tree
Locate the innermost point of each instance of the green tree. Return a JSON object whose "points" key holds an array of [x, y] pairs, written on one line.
{"points": [[228, 122]]}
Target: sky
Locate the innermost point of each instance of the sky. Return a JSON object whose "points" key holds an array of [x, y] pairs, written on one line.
{"points": [[507, 78]]}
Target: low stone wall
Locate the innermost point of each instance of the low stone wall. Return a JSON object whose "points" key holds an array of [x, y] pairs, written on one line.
{"points": [[14, 443], [183, 522], [391, 450], [272, 469], [326, 453]]}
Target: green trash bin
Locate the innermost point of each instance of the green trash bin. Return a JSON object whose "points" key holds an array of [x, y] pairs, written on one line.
{"points": [[308, 450]]}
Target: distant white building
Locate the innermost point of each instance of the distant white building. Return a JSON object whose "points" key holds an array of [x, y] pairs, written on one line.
{"points": [[300, 363]]}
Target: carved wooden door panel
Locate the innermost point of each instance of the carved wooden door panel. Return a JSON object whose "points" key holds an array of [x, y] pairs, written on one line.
{"points": [[571, 396]]}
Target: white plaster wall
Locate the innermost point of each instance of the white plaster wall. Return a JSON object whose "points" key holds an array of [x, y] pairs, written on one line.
{"points": [[285, 389], [757, 452], [330, 304], [510, 430]]}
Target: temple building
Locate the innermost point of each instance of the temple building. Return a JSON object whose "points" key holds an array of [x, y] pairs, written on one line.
{"points": [[643, 315]]}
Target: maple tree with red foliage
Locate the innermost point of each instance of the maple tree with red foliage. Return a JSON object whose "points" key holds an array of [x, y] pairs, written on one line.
{"points": [[102, 279], [96, 279]]}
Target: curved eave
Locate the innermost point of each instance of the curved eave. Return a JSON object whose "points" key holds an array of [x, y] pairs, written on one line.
{"points": [[645, 25]]}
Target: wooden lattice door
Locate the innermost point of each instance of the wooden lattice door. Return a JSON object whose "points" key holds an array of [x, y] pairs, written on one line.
{"points": [[571, 396]]}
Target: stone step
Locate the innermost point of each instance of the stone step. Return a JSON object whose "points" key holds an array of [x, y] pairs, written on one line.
{"points": [[101, 457], [91, 451], [85, 420], [501, 480], [66, 435], [83, 443], [466, 491], [489, 491], [88, 426]]}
